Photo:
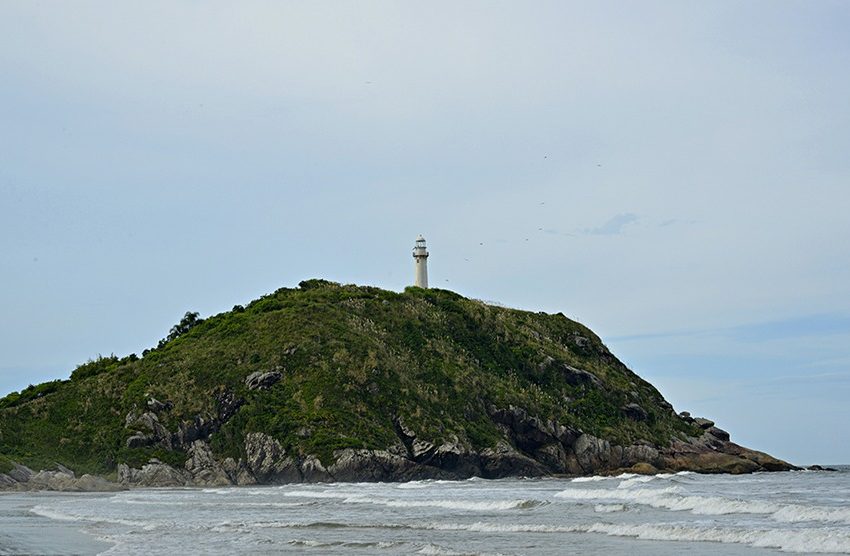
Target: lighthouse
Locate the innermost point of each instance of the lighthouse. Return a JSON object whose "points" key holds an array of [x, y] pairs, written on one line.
{"points": [[420, 255]]}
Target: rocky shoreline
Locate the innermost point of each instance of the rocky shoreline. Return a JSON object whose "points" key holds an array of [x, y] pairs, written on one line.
{"points": [[535, 449]]}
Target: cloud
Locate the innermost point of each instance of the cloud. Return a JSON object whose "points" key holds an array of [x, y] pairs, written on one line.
{"points": [[613, 226]]}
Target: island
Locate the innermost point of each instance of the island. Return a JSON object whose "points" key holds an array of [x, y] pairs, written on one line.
{"points": [[332, 382]]}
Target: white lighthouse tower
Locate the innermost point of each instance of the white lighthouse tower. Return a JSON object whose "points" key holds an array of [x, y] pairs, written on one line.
{"points": [[420, 255]]}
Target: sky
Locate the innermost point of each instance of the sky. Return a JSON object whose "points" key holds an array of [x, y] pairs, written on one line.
{"points": [[672, 174]]}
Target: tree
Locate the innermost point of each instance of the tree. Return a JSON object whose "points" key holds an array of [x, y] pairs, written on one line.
{"points": [[189, 321]]}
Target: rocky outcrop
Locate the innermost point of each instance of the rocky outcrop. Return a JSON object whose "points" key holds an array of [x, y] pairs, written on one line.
{"points": [[268, 462], [261, 381], [61, 479], [505, 461], [203, 468], [573, 376], [153, 474], [531, 447], [378, 465], [635, 412]]}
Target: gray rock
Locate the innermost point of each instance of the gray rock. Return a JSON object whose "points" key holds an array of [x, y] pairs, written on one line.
{"points": [[7, 482], [21, 473], [592, 454], [157, 406], [90, 483], [147, 421], [635, 412], [312, 471], [261, 381], [52, 480], [527, 432], [504, 460], [267, 460], [238, 472], [718, 433], [203, 468], [376, 465], [63, 469], [152, 475], [554, 457], [579, 377], [140, 440], [456, 457], [703, 423], [421, 451], [640, 453]]}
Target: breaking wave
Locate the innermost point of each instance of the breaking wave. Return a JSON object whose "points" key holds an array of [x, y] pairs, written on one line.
{"points": [[671, 498]]}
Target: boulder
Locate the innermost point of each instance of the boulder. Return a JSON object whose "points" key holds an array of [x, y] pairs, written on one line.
{"points": [[419, 450], [554, 457], [593, 454], [703, 423], [456, 457], [637, 454], [21, 473], [720, 434], [312, 471], [635, 412], [7, 482], [91, 483], [643, 468], [527, 432], [376, 465], [505, 461], [579, 377], [267, 460], [238, 472], [140, 440], [261, 381], [147, 421], [203, 468], [157, 406], [152, 475]]}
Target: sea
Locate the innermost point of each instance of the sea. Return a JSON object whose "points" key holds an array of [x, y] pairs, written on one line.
{"points": [[804, 512]]}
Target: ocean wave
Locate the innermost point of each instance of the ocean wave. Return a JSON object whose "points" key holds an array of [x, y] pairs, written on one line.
{"points": [[53, 513], [468, 505], [609, 508], [590, 479], [642, 479], [815, 540], [807, 541], [796, 513], [672, 498]]}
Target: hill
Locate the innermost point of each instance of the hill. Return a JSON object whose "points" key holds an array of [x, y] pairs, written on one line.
{"points": [[340, 382]]}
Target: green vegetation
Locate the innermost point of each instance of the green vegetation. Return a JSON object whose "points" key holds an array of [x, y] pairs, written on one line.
{"points": [[352, 359]]}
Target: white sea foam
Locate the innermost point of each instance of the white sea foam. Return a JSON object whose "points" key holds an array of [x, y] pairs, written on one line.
{"points": [[806, 513], [628, 483], [590, 479], [670, 498], [609, 508], [806, 541], [796, 513], [466, 505], [820, 540], [52, 513]]}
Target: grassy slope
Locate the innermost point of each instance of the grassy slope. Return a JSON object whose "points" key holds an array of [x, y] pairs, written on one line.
{"points": [[352, 358]]}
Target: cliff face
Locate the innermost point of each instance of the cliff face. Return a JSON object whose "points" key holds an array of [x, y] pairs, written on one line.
{"points": [[329, 382]]}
